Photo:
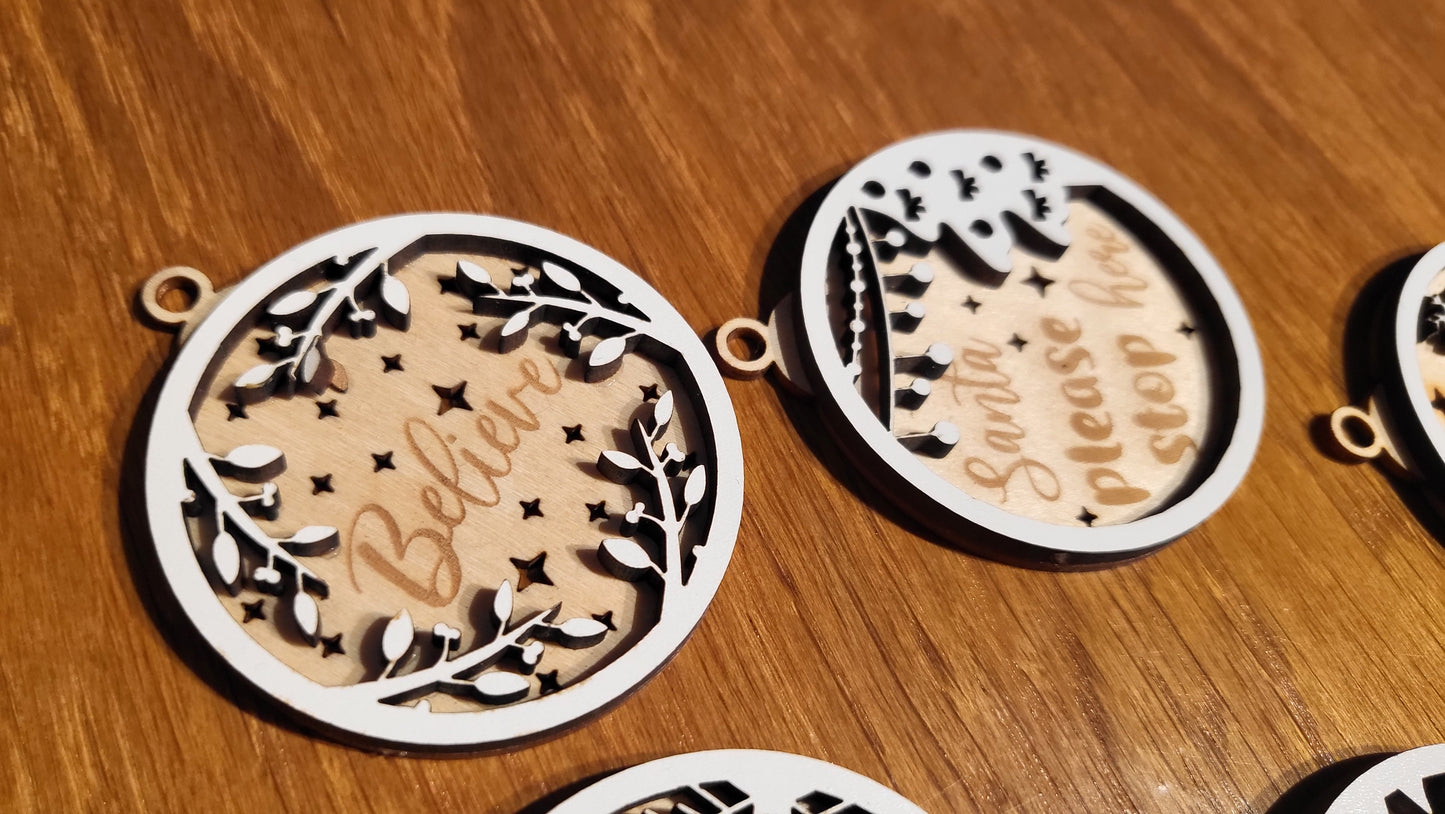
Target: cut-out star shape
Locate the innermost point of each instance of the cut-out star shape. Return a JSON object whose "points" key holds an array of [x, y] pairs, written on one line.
{"points": [[448, 285], [1018, 342], [469, 331], [574, 433], [254, 610], [390, 363], [605, 619], [1087, 517], [531, 508], [382, 460], [547, 683], [235, 411], [531, 572], [454, 397], [649, 392], [971, 304], [327, 409], [1187, 329], [597, 511], [321, 483], [1038, 281], [331, 646]]}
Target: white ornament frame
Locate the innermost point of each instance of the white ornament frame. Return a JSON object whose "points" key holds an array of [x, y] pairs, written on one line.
{"points": [[773, 781], [1397, 782], [946, 508], [1399, 419], [402, 728]]}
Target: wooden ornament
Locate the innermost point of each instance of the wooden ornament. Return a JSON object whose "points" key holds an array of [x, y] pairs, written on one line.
{"points": [[736, 781], [1411, 782], [1402, 423], [440, 481], [1022, 347]]}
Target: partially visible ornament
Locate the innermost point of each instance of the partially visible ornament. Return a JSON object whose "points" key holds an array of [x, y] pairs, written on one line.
{"points": [[733, 781], [440, 481], [1402, 423], [1411, 782], [1024, 349]]}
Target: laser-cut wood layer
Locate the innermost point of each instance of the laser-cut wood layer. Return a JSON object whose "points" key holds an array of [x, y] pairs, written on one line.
{"points": [[484, 484]]}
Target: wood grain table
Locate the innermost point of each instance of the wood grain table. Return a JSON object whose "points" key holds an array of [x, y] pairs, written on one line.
{"points": [[1298, 627]]}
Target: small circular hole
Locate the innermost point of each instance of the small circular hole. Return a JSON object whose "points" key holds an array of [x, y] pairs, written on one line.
{"points": [[747, 345], [991, 163], [178, 294], [1359, 431], [873, 189], [919, 169], [743, 348], [981, 228]]}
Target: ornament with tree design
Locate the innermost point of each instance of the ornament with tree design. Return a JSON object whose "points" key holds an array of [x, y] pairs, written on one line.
{"points": [[1401, 422], [1022, 347]]}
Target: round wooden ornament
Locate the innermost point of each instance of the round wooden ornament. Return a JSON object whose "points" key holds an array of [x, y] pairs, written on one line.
{"points": [[1022, 347], [736, 781], [1411, 782], [1402, 423], [440, 481]]}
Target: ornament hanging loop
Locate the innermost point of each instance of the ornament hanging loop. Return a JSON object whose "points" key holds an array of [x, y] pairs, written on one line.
{"points": [[195, 285], [775, 345], [752, 333], [1363, 434]]}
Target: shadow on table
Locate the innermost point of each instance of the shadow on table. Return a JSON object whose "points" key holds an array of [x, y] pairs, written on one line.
{"points": [[560, 796], [782, 259], [150, 583], [1366, 349], [1315, 793]]}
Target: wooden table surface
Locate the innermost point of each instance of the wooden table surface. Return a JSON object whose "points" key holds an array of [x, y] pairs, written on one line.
{"points": [[1299, 626]]}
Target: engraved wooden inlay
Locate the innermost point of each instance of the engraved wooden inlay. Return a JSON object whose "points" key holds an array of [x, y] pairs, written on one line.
{"points": [[1079, 387], [442, 492]]}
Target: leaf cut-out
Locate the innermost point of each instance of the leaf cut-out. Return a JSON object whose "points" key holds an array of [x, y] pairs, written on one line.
{"points": [[502, 688], [605, 358], [395, 302], [312, 541], [472, 279], [502, 606], [662, 411], [560, 277], [625, 559], [306, 615], [258, 382], [315, 370], [695, 487], [618, 466], [578, 633], [514, 330], [252, 463], [291, 304], [397, 638], [226, 557]]}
